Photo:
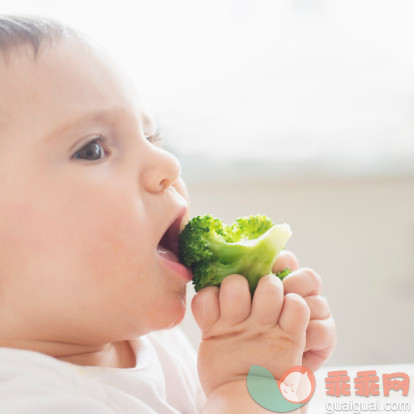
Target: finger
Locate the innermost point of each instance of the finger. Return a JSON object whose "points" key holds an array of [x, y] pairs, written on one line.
{"points": [[304, 282], [235, 299], [315, 359], [318, 306], [285, 259], [267, 300], [205, 307], [320, 335], [295, 314]]}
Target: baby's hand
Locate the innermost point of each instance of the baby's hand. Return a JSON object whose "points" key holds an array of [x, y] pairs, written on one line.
{"points": [[237, 332], [321, 332]]}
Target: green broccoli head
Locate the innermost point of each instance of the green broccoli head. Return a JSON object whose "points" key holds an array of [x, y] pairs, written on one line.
{"points": [[248, 247]]}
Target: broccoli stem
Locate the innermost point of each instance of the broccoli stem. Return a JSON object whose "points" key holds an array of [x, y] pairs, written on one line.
{"points": [[250, 258]]}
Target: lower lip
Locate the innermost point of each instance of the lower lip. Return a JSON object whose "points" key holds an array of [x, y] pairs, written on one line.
{"points": [[176, 267]]}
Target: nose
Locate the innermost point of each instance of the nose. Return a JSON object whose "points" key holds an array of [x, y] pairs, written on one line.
{"points": [[161, 170]]}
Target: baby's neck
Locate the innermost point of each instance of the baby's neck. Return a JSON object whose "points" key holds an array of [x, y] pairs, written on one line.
{"points": [[115, 355]]}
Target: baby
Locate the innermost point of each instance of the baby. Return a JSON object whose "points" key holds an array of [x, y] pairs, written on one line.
{"points": [[89, 305]]}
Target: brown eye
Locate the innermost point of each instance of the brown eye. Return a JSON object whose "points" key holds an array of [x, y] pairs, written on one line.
{"points": [[91, 151]]}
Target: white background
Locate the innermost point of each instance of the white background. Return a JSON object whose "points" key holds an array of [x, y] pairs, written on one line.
{"points": [[320, 87]]}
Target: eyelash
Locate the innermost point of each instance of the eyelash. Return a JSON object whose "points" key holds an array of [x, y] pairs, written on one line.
{"points": [[155, 139]]}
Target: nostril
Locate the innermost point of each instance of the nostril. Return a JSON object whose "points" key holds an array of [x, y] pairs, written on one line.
{"points": [[165, 183]]}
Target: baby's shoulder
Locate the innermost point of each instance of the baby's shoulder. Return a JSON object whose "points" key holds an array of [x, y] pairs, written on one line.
{"points": [[34, 382], [23, 363]]}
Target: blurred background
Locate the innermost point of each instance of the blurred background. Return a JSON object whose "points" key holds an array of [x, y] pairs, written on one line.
{"points": [[302, 110]]}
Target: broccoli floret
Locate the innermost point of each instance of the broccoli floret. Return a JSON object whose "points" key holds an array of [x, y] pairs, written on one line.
{"points": [[248, 247]]}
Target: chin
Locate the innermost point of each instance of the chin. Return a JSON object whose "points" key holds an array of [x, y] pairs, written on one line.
{"points": [[172, 314]]}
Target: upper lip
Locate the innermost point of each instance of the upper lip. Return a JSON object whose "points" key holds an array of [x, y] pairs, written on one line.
{"points": [[169, 238]]}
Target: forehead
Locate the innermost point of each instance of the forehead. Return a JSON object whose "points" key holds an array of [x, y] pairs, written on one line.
{"points": [[66, 80]]}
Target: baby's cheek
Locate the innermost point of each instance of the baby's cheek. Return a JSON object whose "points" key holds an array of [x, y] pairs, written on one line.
{"points": [[107, 235], [28, 226], [109, 251]]}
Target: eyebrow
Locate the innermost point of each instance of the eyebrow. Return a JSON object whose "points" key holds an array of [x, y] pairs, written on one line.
{"points": [[110, 115]]}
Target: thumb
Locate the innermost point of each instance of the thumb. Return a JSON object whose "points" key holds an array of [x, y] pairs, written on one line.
{"points": [[205, 307]]}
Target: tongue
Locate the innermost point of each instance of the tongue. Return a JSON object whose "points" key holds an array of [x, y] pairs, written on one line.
{"points": [[168, 254]]}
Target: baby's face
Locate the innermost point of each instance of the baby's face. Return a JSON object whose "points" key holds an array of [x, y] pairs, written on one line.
{"points": [[82, 202]]}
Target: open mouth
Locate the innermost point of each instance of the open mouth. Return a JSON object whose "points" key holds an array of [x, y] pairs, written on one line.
{"points": [[168, 245]]}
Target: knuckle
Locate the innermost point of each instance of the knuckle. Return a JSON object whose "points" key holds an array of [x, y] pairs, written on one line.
{"points": [[324, 302], [235, 283], [271, 283], [324, 331], [295, 297], [206, 292], [292, 260], [196, 302], [321, 307], [316, 279], [271, 280], [331, 324], [234, 278]]}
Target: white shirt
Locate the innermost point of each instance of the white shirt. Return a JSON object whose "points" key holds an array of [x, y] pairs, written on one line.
{"points": [[165, 380]]}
